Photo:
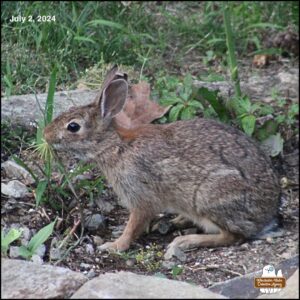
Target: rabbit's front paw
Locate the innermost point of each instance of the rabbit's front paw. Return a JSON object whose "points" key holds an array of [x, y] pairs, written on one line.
{"points": [[114, 246]]}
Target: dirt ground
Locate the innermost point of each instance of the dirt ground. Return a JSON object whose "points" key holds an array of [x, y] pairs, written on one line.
{"points": [[202, 267]]}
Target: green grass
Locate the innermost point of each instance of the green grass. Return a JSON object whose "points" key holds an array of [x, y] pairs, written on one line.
{"points": [[159, 36]]}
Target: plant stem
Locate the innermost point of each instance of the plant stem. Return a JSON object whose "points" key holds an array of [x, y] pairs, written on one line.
{"points": [[231, 50]]}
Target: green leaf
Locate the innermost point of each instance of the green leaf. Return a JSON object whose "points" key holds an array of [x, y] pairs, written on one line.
{"points": [[41, 187], [187, 113], [84, 39], [248, 124], [105, 23], [196, 104], [215, 102], [266, 110], [7, 239], [188, 82], [24, 252], [40, 237], [174, 112], [50, 97], [176, 270], [263, 25], [169, 101], [270, 127], [273, 145]]}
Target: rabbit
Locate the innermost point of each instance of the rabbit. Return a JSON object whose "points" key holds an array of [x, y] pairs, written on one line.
{"points": [[208, 172]]}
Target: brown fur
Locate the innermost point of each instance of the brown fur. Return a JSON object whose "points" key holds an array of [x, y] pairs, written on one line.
{"points": [[208, 172]]}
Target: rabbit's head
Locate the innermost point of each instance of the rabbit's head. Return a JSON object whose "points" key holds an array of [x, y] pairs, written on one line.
{"points": [[82, 128]]}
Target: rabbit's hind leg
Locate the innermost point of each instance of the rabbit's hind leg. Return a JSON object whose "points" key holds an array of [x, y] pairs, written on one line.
{"points": [[184, 242]]}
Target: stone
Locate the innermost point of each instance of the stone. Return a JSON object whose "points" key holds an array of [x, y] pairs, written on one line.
{"points": [[94, 222], [14, 189], [98, 240], [15, 171], [291, 290], [174, 251], [27, 280], [104, 206], [127, 285]]}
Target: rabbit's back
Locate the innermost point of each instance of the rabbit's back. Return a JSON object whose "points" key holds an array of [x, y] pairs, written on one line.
{"points": [[200, 168]]}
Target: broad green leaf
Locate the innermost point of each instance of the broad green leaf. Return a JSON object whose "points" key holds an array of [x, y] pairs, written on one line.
{"points": [[273, 145], [176, 270], [174, 112], [188, 81], [41, 187], [187, 113], [40, 237], [169, 101], [196, 104], [248, 124]]}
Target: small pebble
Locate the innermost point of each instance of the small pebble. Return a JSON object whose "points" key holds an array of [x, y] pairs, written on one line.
{"points": [[168, 264], [269, 240], [98, 240], [37, 259], [130, 262], [89, 249], [85, 266], [91, 274]]}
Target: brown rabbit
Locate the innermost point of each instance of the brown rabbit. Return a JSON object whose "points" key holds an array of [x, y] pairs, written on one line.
{"points": [[208, 172]]}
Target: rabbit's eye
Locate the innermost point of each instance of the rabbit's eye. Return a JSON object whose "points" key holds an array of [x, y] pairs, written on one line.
{"points": [[73, 127]]}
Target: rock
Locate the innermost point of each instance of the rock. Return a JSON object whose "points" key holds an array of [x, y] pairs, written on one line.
{"points": [[14, 189], [168, 264], [15, 171], [14, 252], [130, 262], [174, 251], [85, 266], [94, 222], [41, 250], [98, 240], [291, 290], [89, 249], [37, 259], [104, 206], [91, 274], [127, 285], [27, 280]]}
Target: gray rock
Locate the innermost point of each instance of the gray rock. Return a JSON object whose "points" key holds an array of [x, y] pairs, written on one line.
{"points": [[37, 259], [98, 240], [127, 285], [94, 222], [173, 251], [14, 252], [104, 206], [15, 171], [14, 189], [89, 249], [27, 280], [41, 250]]}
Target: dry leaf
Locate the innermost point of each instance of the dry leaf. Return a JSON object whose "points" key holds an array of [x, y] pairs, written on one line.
{"points": [[261, 60]]}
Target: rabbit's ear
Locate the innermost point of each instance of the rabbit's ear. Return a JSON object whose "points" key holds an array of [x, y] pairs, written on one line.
{"points": [[113, 98]]}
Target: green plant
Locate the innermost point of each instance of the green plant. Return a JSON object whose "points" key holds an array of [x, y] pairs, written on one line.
{"points": [[181, 96], [176, 270], [36, 241], [7, 239]]}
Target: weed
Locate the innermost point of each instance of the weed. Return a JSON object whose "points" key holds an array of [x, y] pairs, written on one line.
{"points": [[36, 241], [7, 239]]}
